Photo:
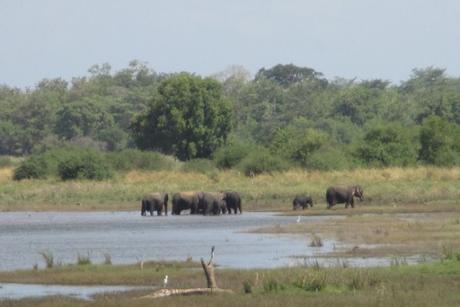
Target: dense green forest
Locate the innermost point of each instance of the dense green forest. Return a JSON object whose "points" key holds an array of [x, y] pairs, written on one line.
{"points": [[284, 115]]}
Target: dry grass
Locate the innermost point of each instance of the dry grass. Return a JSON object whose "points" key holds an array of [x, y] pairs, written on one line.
{"points": [[388, 187]]}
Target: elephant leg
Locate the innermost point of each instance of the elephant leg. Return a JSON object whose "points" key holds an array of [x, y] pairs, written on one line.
{"points": [[142, 208]]}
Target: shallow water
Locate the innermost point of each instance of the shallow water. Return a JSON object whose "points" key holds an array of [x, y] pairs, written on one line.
{"points": [[129, 237], [13, 291]]}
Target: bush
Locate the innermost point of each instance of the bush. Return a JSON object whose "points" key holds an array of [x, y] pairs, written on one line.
{"points": [[83, 260], [330, 159], [439, 142], [130, 159], [199, 166], [231, 154], [262, 161], [84, 164], [387, 145], [297, 144], [31, 168]]}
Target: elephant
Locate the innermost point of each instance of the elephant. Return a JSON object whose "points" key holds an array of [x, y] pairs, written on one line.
{"points": [[154, 202], [186, 200], [212, 203], [302, 201], [339, 195], [233, 201]]}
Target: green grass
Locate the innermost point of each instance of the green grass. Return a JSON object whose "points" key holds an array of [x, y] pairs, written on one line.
{"points": [[383, 188], [434, 284]]}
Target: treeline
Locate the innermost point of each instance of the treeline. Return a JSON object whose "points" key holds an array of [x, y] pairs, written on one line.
{"points": [[285, 115]]}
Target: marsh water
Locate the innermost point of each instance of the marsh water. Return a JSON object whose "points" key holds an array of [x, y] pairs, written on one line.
{"points": [[13, 291], [128, 238]]}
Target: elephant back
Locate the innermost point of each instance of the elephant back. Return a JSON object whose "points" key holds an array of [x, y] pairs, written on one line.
{"points": [[186, 195], [160, 196], [152, 196]]}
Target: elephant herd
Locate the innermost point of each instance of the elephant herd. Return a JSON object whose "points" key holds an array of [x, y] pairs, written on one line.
{"points": [[206, 203], [216, 203], [334, 195]]}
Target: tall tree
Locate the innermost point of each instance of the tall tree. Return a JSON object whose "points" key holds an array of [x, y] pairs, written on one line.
{"points": [[188, 118]]}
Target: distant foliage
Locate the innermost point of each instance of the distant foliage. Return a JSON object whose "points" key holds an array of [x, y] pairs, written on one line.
{"points": [[293, 111], [439, 141], [262, 161], [298, 144], [134, 159], [84, 164], [331, 158], [231, 154], [387, 145]]}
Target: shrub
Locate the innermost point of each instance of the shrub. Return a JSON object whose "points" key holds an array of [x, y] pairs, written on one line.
{"points": [[31, 168], [312, 282], [262, 161], [386, 145], [330, 159], [297, 144], [130, 159], [49, 258], [230, 155], [247, 287], [84, 164], [273, 285], [83, 260], [439, 142]]}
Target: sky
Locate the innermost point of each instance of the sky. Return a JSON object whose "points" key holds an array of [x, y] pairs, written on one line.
{"points": [[363, 39]]}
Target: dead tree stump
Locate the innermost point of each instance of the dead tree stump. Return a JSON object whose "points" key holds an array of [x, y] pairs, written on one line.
{"points": [[212, 288]]}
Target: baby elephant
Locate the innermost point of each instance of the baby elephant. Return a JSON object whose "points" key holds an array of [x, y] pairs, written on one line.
{"points": [[302, 201]]}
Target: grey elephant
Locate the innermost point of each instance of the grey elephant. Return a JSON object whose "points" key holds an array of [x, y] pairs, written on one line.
{"points": [[212, 203], [154, 202], [302, 201], [185, 201], [233, 202], [340, 195]]}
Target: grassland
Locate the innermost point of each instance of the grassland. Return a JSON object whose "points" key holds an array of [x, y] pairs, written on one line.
{"points": [[396, 189], [433, 284]]}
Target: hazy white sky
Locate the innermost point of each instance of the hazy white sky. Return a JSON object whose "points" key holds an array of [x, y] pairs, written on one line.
{"points": [[347, 38]]}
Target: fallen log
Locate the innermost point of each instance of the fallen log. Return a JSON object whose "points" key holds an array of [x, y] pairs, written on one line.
{"points": [[193, 291], [212, 288]]}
